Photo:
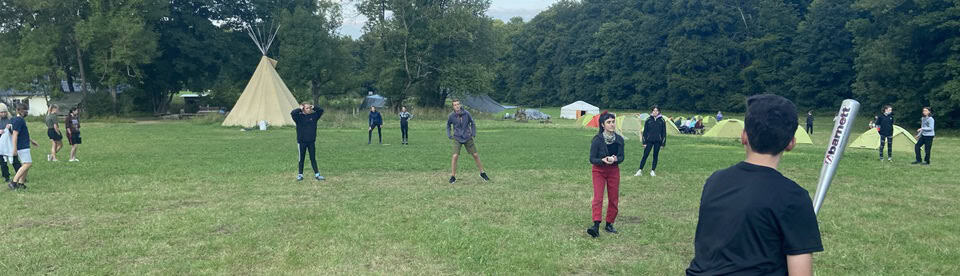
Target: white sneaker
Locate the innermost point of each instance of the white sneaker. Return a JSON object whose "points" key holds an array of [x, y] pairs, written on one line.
{"points": [[49, 158], [74, 160], [653, 173], [639, 173], [889, 159]]}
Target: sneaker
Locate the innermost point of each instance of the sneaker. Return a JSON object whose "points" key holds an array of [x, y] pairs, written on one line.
{"points": [[639, 173], [13, 185], [881, 158], [915, 162], [453, 179], [889, 159], [74, 160], [484, 176], [299, 177], [22, 186], [319, 177], [652, 173], [609, 228], [593, 231], [925, 164]]}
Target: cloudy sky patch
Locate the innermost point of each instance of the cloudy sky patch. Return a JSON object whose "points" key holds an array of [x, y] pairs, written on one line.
{"points": [[500, 9]]}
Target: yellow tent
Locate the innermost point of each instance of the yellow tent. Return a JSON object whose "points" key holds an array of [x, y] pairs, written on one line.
{"points": [[802, 136], [266, 98], [630, 124], [709, 121], [672, 128], [729, 128], [902, 140]]}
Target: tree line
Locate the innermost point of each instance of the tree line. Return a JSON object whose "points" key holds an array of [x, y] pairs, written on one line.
{"points": [[697, 55]]}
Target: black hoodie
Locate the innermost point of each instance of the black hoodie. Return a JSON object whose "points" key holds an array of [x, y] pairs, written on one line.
{"points": [[885, 123], [655, 131], [306, 124]]}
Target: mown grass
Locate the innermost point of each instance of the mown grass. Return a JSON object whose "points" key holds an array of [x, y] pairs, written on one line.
{"points": [[196, 198]]}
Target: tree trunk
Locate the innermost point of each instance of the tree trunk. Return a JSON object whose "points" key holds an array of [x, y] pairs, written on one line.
{"points": [[315, 92], [83, 76], [113, 96]]}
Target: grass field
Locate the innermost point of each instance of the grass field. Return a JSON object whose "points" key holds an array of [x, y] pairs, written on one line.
{"points": [[195, 198]]}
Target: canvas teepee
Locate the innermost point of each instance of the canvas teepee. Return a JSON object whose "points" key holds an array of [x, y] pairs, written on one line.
{"points": [[266, 97]]}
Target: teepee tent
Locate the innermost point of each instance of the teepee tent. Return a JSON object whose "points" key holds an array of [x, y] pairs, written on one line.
{"points": [[729, 128], [902, 140], [578, 109], [266, 97]]}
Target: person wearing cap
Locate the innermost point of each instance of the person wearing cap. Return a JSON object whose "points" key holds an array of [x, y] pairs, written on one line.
{"points": [[5, 126], [21, 147]]}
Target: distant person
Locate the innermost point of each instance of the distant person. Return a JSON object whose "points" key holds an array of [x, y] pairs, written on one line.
{"points": [[6, 126], [404, 124], [719, 116], [21, 146], [926, 136], [753, 220], [606, 154], [654, 137], [306, 117], [53, 132], [375, 121], [885, 125], [72, 124], [873, 123], [810, 122], [461, 129]]}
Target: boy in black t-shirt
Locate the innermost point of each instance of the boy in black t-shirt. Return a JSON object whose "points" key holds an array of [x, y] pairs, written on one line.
{"points": [[753, 220]]}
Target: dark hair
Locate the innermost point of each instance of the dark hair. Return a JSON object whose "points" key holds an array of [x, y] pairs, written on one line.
{"points": [[72, 109], [928, 109], [22, 106], [603, 118], [770, 123], [657, 107], [455, 101], [885, 108]]}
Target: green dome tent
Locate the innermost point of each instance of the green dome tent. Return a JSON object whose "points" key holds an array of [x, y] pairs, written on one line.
{"points": [[802, 136], [902, 140], [729, 128]]}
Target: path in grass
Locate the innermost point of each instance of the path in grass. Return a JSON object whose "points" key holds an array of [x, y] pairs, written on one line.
{"points": [[176, 197]]}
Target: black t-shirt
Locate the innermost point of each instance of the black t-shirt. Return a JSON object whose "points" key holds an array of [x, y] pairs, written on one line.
{"points": [[751, 218], [23, 135]]}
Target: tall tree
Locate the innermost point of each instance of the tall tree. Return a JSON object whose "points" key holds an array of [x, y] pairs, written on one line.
{"points": [[823, 66], [315, 58]]}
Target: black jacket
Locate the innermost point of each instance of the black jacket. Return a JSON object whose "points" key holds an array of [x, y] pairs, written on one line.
{"points": [[598, 150], [885, 123], [810, 120], [655, 131], [306, 124], [375, 118]]}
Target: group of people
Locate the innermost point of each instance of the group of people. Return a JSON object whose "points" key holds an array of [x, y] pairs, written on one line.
{"points": [[884, 123], [461, 129], [15, 141], [752, 219]]}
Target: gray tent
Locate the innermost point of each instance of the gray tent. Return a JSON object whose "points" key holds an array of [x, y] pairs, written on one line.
{"points": [[373, 100], [533, 114], [482, 103]]}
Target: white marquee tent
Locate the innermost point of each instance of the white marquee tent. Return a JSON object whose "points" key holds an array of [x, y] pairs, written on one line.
{"points": [[577, 109]]}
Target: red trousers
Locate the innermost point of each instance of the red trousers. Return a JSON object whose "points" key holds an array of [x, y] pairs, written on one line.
{"points": [[606, 177]]}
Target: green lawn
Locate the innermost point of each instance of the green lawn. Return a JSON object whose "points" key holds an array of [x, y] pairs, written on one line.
{"points": [[189, 198]]}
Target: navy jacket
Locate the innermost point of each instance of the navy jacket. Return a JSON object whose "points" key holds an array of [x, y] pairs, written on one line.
{"points": [[375, 118], [306, 124], [885, 123]]}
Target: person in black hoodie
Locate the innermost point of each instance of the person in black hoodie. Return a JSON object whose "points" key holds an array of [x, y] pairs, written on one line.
{"points": [[810, 122], [306, 118], [885, 125], [606, 154], [654, 137], [375, 122]]}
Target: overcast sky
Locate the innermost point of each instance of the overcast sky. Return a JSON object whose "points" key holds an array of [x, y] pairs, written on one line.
{"points": [[500, 9]]}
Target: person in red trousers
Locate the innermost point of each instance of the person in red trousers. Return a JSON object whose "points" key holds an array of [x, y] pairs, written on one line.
{"points": [[606, 154]]}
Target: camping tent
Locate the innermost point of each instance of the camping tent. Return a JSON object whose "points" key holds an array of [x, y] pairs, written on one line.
{"points": [[672, 129], [729, 128], [644, 116], [482, 103], [578, 109], [373, 100], [631, 125], [709, 121], [802, 136], [593, 122], [902, 140], [266, 97]]}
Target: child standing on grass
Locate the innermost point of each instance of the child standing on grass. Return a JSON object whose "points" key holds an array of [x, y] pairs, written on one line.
{"points": [[753, 220], [72, 124], [654, 137], [5, 126], [606, 154], [306, 118], [461, 129], [885, 125], [21, 147], [375, 122], [926, 131], [404, 127], [810, 122], [53, 132]]}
